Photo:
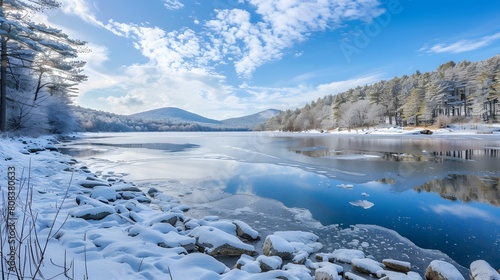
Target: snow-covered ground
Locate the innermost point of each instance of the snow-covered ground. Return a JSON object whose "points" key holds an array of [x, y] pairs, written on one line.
{"points": [[66, 221], [454, 129]]}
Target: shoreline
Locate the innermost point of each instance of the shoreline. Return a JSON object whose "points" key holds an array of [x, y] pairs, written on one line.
{"points": [[51, 164]]}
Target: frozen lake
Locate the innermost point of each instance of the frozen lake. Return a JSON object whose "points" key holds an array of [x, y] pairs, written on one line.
{"points": [[440, 192]]}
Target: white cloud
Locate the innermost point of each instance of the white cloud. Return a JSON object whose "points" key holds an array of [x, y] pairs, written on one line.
{"points": [[81, 9], [464, 211], [173, 4], [462, 45], [284, 23]]}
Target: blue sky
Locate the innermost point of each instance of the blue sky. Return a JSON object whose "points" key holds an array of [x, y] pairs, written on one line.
{"points": [[229, 58]]}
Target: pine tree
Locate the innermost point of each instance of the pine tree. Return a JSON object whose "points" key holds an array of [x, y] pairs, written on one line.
{"points": [[34, 55]]}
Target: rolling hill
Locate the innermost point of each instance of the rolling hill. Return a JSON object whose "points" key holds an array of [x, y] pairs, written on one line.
{"points": [[177, 115]]}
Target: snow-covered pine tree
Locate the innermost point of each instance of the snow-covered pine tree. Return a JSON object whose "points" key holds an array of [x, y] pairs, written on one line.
{"points": [[36, 59]]}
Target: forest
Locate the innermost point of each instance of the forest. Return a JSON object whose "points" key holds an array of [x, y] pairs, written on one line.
{"points": [[455, 92]]}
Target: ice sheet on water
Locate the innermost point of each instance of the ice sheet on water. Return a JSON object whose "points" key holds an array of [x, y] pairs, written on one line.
{"points": [[362, 203], [345, 186]]}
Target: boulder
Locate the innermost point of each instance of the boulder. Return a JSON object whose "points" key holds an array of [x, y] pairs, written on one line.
{"points": [[90, 184], [93, 213], [352, 276], [244, 231], [396, 265], [441, 270], [269, 263], [169, 217], [482, 270], [327, 272], [300, 257], [394, 275], [367, 266], [275, 245], [107, 193], [216, 242], [341, 255]]}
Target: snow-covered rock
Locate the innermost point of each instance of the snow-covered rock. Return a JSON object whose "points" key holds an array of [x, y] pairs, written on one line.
{"points": [[366, 265], [90, 184], [352, 276], [216, 242], [275, 245], [441, 270], [300, 257], [269, 263], [244, 231], [397, 265], [393, 275], [106, 193], [327, 272], [482, 270], [301, 241], [341, 255], [93, 213]]}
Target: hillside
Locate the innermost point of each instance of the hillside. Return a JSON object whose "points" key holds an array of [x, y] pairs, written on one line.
{"points": [[454, 92], [175, 115], [252, 121], [165, 119]]}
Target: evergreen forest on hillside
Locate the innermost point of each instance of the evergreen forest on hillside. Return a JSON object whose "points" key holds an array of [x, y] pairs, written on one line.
{"points": [[454, 92]]}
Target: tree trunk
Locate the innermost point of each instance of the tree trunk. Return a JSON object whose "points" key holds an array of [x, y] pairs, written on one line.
{"points": [[3, 81], [3, 86]]}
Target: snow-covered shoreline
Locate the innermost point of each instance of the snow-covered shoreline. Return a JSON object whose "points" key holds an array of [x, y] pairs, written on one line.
{"points": [[116, 230]]}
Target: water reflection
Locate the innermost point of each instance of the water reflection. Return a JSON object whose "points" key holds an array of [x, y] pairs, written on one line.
{"points": [[435, 156], [465, 188]]}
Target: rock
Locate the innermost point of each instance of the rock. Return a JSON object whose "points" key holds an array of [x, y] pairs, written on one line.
{"points": [[397, 265], [94, 213], [481, 270], [352, 276], [143, 199], [51, 148], [104, 192], [169, 217], [441, 270], [301, 241], [216, 242], [244, 231], [34, 149], [367, 266], [341, 255], [153, 192], [300, 257], [425, 131], [393, 275], [275, 245], [92, 183], [269, 263], [85, 169], [327, 272], [126, 188], [169, 240]]}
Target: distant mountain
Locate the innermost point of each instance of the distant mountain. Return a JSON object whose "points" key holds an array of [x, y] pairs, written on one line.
{"points": [[251, 121], [174, 115]]}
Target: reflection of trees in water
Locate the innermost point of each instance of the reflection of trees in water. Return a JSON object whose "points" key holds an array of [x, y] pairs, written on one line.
{"points": [[465, 188], [468, 154]]}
